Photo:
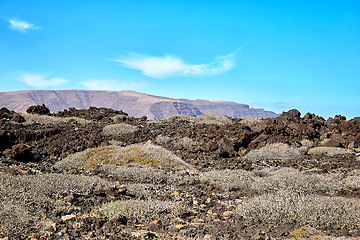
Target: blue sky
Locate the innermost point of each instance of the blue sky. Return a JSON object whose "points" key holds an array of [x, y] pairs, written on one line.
{"points": [[276, 55]]}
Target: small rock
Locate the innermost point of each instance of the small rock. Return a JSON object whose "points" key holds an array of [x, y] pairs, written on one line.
{"points": [[68, 217]]}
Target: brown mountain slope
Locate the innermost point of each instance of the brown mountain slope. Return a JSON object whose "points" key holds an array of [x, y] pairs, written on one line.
{"points": [[134, 103]]}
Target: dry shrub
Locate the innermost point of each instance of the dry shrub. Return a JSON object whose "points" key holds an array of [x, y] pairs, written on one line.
{"points": [[352, 181], [145, 191], [228, 179], [140, 154], [21, 197], [328, 151], [14, 218], [274, 151], [185, 142], [207, 119], [44, 119], [286, 207], [141, 210], [119, 117], [161, 139], [250, 122], [119, 129], [140, 174], [290, 179]]}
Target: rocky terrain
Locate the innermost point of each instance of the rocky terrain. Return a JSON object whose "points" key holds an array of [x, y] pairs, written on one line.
{"points": [[99, 173], [134, 103]]}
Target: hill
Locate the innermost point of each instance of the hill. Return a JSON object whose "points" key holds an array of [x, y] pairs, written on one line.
{"points": [[134, 103]]}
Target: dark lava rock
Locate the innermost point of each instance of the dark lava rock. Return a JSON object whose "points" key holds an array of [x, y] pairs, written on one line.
{"points": [[38, 109]]}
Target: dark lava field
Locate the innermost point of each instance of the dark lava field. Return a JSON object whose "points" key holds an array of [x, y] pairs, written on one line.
{"points": [[100, 174]]}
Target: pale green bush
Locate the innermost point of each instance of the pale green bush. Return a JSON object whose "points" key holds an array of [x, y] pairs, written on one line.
{"points": [[228, 179], [275, 151], [140, 154], [141, 210], [286, 207], [293, 180], [140, 174], [208, 119], [250, 122], [44, 119], [353, 179], [328, 151], [119, 129]]}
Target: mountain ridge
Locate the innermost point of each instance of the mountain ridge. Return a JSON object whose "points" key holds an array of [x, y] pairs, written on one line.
{"points": [[134, 103]]}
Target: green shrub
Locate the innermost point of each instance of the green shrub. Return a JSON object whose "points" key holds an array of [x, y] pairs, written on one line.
{"points": [[119, 129], [140, 154], [286, 207], [141, 210]]}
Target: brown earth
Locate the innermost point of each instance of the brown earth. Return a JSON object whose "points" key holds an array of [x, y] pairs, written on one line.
{"points": [[32, 148]]}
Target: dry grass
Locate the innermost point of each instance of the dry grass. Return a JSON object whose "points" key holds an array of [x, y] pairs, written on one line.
{"points": [[207, 119], [286, 207], [140, 154], [44, 119], [119, 129], [275, 151], [328, 151], [141, 210]]}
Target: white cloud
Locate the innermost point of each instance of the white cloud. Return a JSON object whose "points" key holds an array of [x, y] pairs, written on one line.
{"points": [[96, 84], [22, 26], [41, 81], [160, 67]]}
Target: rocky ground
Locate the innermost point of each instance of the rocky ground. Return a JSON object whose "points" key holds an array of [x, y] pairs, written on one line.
{"points": [[100, 174]]}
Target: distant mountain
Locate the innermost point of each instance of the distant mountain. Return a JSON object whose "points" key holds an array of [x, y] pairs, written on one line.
{"points": [[134, 103]]}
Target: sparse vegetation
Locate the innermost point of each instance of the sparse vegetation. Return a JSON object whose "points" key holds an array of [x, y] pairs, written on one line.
{"points": [[119, 129]]}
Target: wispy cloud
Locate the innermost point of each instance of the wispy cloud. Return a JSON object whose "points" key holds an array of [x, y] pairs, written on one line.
{"points": [[40, 81], [167, 66], [22, 26], [97, 84]]}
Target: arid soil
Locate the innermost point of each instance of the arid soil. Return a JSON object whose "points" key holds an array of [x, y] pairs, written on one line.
{"points": [[225, 165]]}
